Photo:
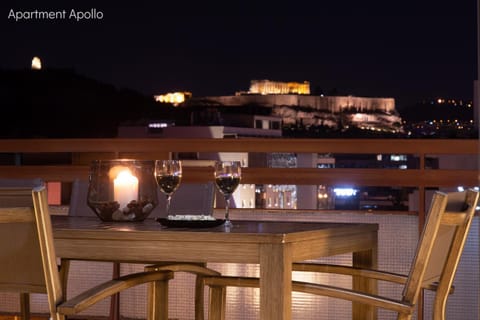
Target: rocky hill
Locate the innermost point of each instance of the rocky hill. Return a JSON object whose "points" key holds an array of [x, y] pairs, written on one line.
{"points": [[63, 104]]}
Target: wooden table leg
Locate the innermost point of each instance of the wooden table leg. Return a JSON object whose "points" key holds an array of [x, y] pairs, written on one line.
{"points": [[364, 259], [25, 306], [115, 299], [275, 282]]}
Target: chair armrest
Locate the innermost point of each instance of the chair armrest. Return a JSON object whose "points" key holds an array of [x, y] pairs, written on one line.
{"points": [[189, 267], [354, 296], [361, 272], [316, 289], [106, 289], [352, 271]]}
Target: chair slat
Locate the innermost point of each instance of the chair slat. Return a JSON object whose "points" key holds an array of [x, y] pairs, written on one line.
{"points": [[16, 215]]}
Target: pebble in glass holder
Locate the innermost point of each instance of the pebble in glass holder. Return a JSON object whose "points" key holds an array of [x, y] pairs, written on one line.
{"points": [[122, 189]]}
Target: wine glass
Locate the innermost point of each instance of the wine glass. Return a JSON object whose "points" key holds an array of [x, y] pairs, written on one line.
{"points": [[227, 178], [168, 174]]}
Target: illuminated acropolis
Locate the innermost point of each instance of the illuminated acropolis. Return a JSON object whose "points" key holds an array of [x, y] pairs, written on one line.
{"points": [[291, 94], [276, 87]]}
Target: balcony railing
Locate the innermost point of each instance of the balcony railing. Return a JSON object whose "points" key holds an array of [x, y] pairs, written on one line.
{"points": [[75, 156]]}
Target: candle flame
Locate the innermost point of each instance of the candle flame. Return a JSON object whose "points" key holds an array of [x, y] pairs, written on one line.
{"points": [[126, 176], [115, 171]]}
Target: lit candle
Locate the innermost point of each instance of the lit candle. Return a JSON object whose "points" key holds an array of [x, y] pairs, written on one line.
{"points": [[125, 188]]}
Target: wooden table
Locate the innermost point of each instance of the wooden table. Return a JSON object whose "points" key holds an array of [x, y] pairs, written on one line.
{"points": [[273, 245]]}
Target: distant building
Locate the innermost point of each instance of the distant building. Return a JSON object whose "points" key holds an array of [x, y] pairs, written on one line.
{"points": [[235, 125], [174, 98], [276, 87]]}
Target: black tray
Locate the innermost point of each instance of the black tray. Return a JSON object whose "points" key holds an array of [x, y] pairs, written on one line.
{"points": [[190, 223]]}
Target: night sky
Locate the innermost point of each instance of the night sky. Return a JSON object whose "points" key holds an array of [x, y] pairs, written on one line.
{"points": [[406, 50]]}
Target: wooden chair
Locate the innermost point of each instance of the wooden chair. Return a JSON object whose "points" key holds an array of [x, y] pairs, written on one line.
{"points": [[200, 270], [28, 261], [20, 183], [438, 253]]}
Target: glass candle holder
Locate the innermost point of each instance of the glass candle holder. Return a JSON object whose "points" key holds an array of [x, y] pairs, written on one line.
{"points": [[122, 189]]}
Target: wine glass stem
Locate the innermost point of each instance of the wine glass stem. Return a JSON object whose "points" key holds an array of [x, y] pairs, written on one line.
{"points": [[227, 206], [168, 204]]}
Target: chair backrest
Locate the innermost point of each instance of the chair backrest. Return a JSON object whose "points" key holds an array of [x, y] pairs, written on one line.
{"points": [[27, 256], [20, 259], [47, 249], [78, 199], [441, 243], [20, 183]]}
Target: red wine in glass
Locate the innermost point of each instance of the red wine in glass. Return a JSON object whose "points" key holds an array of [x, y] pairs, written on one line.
{"points": [[227, 178]]}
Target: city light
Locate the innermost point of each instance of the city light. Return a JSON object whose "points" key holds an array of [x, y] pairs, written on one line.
{"points": [[345, 192], [174, 98], [36, 63], [157, 125]]}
